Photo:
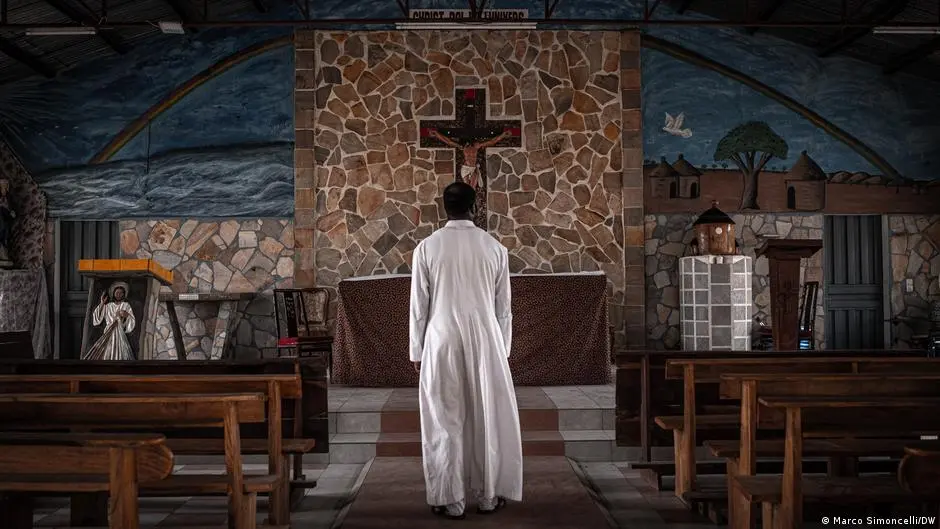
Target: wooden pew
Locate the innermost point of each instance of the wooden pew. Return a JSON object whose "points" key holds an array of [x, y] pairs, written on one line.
{"points": [[112, 463], [745, 488], [643, 392], [304, 418], [782, 497], [694, 372], [50, 412], [275, 387]]}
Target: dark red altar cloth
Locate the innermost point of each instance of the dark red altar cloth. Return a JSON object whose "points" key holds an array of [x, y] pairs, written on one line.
{"points": [[559, 334]]}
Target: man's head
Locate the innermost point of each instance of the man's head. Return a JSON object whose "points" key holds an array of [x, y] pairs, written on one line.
{"points": [[459, 198], [119, 294]]}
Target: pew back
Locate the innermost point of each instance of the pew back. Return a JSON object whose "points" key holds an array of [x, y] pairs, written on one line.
{"points": [[311, 408]]}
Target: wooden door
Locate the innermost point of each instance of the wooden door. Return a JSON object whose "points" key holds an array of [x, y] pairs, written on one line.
{"points": [[854, 282], [81, 239]]}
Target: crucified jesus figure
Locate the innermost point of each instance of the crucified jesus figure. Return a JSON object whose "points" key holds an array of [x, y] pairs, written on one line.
{"points": [[469, 172]]}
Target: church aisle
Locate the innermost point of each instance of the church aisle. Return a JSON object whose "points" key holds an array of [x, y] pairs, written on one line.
{"points": [[572, 421], [393, 496]]}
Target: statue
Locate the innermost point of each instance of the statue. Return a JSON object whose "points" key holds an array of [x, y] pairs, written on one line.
{"points": [[119, 319], [469, 172], [7, 216]]}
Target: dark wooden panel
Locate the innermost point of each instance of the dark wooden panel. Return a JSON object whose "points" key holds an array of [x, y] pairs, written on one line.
{"points": [[854, 287], [80, 240]]}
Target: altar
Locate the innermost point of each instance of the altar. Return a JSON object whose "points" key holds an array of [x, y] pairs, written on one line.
{"points": [[559, 334]]}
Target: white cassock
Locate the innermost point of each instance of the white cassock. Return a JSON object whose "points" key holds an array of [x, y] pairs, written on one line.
{"points": [[113, 344], [461, 331]]}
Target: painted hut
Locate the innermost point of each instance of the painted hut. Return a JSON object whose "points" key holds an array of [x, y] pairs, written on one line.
{"points": [[806, 185], [690, 185], [664, 180]]}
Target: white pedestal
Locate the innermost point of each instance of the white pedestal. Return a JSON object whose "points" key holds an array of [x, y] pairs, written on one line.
{"points": [[715, 296]]}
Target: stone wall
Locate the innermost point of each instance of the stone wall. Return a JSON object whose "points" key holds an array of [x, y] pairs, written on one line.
{"points": [[367, 193], [915, 255], [667, 239], [29, 204], [231, 256]]}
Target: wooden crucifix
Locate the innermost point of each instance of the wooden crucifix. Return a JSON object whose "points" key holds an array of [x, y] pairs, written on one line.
{"points": [[470, 134]]}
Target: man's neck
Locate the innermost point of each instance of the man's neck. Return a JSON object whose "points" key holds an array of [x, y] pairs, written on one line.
{"points": [[460, 218]]}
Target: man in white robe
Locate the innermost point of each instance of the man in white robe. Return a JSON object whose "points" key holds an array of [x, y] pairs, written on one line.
{"points": [[461, 331], [119, 321]]}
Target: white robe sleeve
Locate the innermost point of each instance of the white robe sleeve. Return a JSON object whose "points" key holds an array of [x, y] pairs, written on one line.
{"points": [[504, 300], [97, 316], [420, 304], [130, 322]]}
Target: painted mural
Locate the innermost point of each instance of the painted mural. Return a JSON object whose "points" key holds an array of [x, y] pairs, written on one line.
{"points": [[194, 125], [812, 123], [186, 118]]}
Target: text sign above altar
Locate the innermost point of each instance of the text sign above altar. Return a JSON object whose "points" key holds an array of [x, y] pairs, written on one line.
{"points": [[453, 15]]}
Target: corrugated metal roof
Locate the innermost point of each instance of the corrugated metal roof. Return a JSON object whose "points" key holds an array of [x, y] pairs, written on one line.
{"points": [[877, 49], [69, 51], [63, 52]]}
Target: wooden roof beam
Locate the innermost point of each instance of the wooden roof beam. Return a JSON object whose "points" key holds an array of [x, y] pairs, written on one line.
{"points": [[880, 15], [114, 41], [908, 58], [766, 14], [22, 56]]}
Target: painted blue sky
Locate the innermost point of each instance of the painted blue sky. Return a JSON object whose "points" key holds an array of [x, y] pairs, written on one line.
{"points": [[59, 124]]}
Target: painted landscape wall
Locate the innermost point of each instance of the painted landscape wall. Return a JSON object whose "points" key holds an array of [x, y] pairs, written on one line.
{"points": [[194, 125], [779, 137]]}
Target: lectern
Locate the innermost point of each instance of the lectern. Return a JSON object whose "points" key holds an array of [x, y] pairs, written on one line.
{"points": [[141, 280], [784, 258]]}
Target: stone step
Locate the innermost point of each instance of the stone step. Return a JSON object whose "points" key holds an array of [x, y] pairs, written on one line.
{"points": [[530, 419], [580, 445]]}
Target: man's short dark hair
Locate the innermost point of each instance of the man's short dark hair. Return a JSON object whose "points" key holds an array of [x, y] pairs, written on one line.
{"points": [[459, 198]]}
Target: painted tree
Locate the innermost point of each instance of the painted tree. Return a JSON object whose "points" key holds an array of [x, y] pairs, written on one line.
{"points": [[750, 146]]}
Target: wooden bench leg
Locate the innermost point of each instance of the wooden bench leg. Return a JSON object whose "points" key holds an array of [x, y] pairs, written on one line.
{"points": [[89, 509], [768, 510], [685, 460], [680, 474], [243, 511], [790, 513], [279, 500], [731, 469], [123, 508], [16, 511]]}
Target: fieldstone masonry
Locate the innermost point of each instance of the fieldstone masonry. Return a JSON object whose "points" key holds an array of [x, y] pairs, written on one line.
{"points": [[367, 193], [232, 256], [915, 256], [667, 240]]}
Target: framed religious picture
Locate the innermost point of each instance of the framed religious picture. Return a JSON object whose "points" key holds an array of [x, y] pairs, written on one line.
{"points": [[120, 318]]}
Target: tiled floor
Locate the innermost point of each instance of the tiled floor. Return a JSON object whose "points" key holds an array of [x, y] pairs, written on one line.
{"points": [[576, 421], [350, 399]]}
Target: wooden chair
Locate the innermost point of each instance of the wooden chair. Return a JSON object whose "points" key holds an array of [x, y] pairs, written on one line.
{"points": [[301, 316], [808, 301]]}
